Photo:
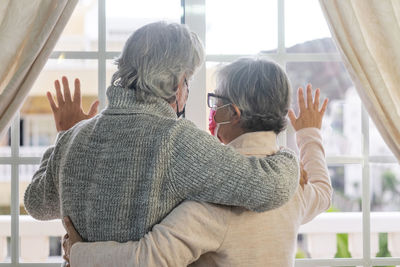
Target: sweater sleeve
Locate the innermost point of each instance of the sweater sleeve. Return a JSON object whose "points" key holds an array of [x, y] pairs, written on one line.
{"points": [[317, 194], [189, 231], [203, 169], [41, 199]]}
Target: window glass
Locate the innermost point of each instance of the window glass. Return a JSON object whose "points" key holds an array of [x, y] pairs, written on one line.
{"points": [[385, 187], [241, 27], [385, 207], [377, 147], [337, 232], [111, 69], [124, 17], [5, 211], [306, 28], [5, 142], [81, 31]]}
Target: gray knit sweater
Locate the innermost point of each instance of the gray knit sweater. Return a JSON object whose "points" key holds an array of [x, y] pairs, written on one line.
{"points": [[121, 172]]}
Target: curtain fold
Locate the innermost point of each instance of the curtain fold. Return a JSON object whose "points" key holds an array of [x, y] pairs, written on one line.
{"points": [[29, 30], [367, 33]]}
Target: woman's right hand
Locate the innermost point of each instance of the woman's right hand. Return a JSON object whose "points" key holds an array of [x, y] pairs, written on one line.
{"points": [[70, 238], [310, 115]]}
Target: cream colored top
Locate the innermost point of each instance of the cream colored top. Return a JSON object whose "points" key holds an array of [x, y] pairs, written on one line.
{"points": [[202, 234]]}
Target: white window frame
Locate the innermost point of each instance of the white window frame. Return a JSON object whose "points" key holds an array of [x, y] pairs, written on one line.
{"points": [[195, 18]]}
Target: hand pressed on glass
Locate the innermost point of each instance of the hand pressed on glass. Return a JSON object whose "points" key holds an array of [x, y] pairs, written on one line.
{"points": [[69, 110], [310, 115]]}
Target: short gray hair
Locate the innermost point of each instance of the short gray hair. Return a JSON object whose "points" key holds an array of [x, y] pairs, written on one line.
{"points": [[155, 57], [260, 89]]}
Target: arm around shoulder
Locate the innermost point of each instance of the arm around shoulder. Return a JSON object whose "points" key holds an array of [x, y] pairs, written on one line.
{"points": [[203, 169]]}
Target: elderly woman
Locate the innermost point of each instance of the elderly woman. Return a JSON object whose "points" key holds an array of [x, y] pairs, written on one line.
{"points": [[249, 109], [121, 172]]}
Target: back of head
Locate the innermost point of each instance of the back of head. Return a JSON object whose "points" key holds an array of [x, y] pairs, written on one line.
{"points": [[155, 57], [260, 89]]}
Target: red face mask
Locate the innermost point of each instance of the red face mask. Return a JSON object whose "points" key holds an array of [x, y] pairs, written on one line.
{"points": [[211, 122]]}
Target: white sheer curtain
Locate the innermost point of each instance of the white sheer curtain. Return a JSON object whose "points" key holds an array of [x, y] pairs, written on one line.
{"points": [[367, 33], [29, 30]]}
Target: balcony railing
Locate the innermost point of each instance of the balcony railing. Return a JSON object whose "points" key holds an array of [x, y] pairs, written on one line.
{"points": [[320, 234]]}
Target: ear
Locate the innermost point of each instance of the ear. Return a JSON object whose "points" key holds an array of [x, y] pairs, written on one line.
{"points": [[179, 88], [236, 115]]}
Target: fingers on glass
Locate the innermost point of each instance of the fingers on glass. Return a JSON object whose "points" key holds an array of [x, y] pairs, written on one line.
{"points": [[300, 99], [309, 96], [51, 101], [65, 95], [292, 116], [60, 97], [77, 92], [67, 92], [93, 109], [316, 99], [324, 106], [311, 103]]}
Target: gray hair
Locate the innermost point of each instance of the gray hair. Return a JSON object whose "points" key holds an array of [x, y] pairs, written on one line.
{"points": [[260, 89], [155, 57]]}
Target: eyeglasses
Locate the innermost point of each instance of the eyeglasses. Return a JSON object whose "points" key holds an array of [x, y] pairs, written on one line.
{"points": [[213, 100]]}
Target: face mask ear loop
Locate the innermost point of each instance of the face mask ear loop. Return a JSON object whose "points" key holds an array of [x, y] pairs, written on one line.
{"points": [[180, 113], [224, 122], [177, 107]]}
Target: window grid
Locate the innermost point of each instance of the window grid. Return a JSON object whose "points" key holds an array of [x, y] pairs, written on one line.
{"points": [[198, 23]]}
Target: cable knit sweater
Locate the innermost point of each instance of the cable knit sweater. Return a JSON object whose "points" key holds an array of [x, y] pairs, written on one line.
{"points": [[121, 172]]}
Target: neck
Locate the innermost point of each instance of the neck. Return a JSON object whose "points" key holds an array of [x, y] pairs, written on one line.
{"points": [[234, 133]]}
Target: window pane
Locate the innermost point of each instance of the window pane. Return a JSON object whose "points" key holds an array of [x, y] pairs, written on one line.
{"points": [[39, 240], [5, 211], [111, 69], [240, 27], [5, 142], [376, 144], [385, 207], [80, 34], [329, 234], [124, 17], [385, 187], [306, 28], [38, 129], [347, 185], [341, 127]]}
